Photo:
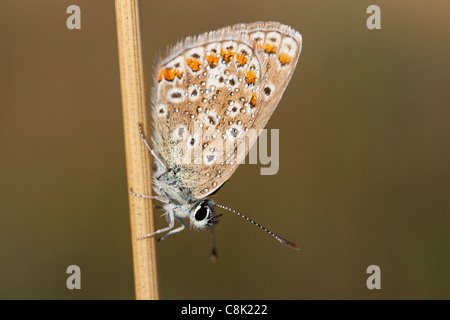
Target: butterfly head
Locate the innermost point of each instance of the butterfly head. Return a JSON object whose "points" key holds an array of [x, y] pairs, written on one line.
{"points": [[202, 216]]}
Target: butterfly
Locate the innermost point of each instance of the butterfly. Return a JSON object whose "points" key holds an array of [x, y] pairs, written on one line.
{"points": [[212, 96]]}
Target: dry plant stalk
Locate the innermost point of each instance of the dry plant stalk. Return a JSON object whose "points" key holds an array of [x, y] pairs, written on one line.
{"points": [[135, 110]]}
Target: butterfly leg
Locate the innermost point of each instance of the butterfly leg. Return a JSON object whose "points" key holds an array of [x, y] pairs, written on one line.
{"points": [[154, 154], [171, 218], [181, 228], [148, 197]]}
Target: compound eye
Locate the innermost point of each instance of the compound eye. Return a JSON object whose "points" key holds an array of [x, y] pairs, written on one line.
{"points": [[202, 212]]}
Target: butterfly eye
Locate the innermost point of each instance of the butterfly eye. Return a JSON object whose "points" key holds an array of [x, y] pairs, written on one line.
{"points": [[202, 217], [202, 212]]}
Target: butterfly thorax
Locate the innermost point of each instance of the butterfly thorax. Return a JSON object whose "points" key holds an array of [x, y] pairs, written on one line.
{"points": [[180, 202], [168, 186]]}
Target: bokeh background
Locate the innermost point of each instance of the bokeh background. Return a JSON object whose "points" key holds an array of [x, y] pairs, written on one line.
{"points": [[364, 174]]}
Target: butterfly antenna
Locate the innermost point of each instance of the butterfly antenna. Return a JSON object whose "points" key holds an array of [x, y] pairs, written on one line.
{"points": [[283, 241]]}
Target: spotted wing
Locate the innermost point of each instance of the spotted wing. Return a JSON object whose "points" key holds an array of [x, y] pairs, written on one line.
{"points": [[278, 48], [214, 95], [203, 101], [281, 46]]}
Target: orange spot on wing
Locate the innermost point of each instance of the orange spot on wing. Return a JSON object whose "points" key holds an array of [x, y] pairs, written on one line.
{"points": [[179, 73], [251, 77], [259, 46], [212, 60], [270, 48], [194, 64], [284, 58], [241, 58], [227, 55], [170, 74], [254, 99]]}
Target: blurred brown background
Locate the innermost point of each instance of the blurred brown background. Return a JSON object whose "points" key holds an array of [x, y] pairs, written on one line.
{"points": [[364, 157]]}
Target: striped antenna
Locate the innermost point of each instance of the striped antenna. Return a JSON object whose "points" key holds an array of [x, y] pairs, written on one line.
{"points": [[283, 241]]}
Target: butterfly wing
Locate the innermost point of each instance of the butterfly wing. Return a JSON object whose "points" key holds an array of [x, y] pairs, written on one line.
{"points": [[278, 48], [281, 46], [201, 89], [211, 92]]}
